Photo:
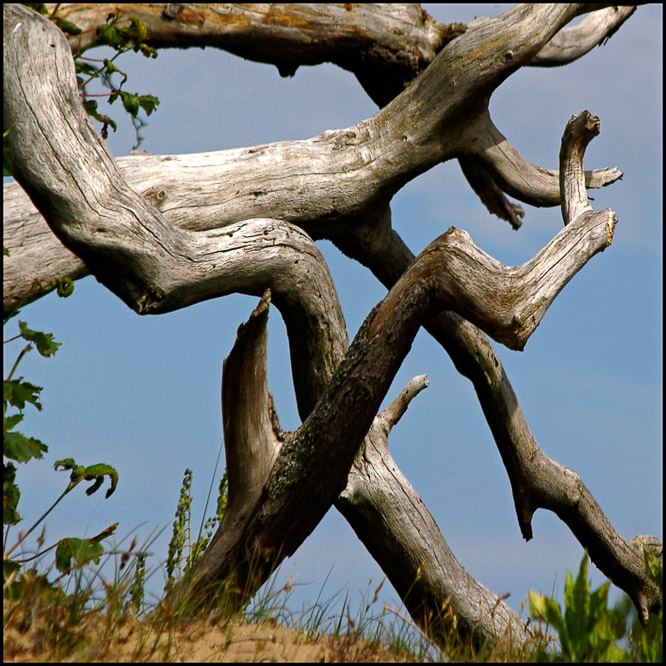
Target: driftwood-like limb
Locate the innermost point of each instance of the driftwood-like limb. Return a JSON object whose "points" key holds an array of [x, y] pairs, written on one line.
{"points": [[311, 469], [385, 46], [132, 246], [506, 302], [451, 273], [572, 43], [580, 130], [251, 440], [395, 411], [533, 475], [154, 268], [325, 184], [537, 480], [395, 526], [490, 194], [490, 151]]}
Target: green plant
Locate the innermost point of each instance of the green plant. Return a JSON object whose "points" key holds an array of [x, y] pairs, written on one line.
{"points": [[176, 564], [588, 630], [19, 448], [123, 34], [647, 643]]}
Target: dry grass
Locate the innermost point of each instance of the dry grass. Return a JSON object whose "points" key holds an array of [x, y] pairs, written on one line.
{"points": [[45, 623]]}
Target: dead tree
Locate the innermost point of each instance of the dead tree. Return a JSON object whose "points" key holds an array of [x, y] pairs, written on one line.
{"points": [[75, 210]]}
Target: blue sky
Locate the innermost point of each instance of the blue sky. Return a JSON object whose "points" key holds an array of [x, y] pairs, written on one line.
{"points": [[142, 393]]}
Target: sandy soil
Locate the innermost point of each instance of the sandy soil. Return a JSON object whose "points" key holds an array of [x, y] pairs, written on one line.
{"points": [[197, 642]]}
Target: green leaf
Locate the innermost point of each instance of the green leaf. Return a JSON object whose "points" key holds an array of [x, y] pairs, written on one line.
{"points": [[67, 26], [78, 471], [64, 286], [148, 103], [44, 342], [130, 102], [577, 611], [548, 610], [137, 29], [10, 495], [91, 109], [98, 472], [94, 473], [21, 448], [85, 68], [17, 392], [110, 67], [148, 51], [81, 551], [10, 422], [109, 34]]}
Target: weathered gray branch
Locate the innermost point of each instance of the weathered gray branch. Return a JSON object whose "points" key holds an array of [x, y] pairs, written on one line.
{"points": [[492, 165], [580, 130], [385, 46], [314, 183], [155, 265], [572, 43]]}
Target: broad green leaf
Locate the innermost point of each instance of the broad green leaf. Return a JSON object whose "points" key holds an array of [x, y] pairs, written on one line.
{"points": [[110, 67], [548, 610], [109, 34], [91, 108], [598, 602], [148, 103], [44, 342], [17, 392], [10, 422], [137, 30], [81, 551], [98, 472], [21, 448], [84, 68], [577, 610]]}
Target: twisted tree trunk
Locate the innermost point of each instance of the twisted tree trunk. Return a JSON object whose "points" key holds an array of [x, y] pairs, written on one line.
{"points": [[165, 232]]}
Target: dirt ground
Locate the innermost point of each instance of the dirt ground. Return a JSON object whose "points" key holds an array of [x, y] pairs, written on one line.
{"points": [[197, 642]]}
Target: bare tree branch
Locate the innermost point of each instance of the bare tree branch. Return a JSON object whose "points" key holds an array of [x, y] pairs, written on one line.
{"points": [[490, 152], [156, 264], [311, 183], [580, 130], [572, 43], [385, 46]]}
